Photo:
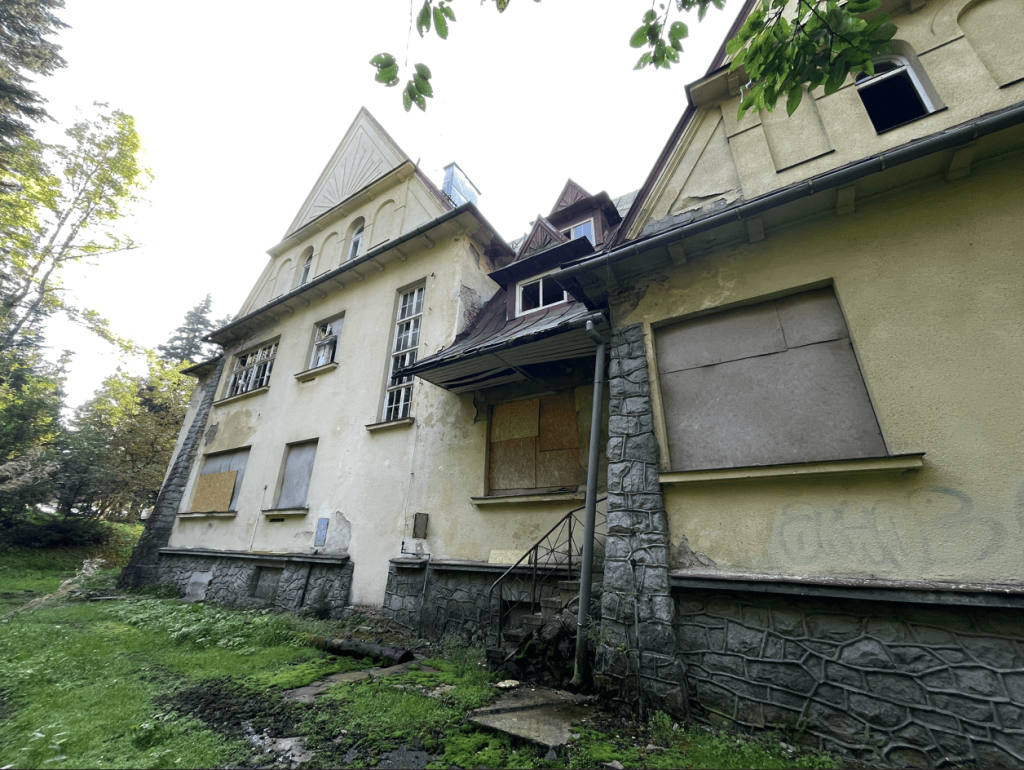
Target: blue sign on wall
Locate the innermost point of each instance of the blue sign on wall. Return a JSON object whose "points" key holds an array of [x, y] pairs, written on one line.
{"points": [[321, 533]]}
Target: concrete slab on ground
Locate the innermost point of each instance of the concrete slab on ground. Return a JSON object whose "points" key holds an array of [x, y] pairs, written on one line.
{"points": [[545, 717], [308, 693]]}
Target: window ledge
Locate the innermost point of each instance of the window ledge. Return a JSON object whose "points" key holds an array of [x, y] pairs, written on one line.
{"points": [[208, 515], [285, 511], [403, 423], [240, 396], [543, 497], [310, 374], [892, 464]]}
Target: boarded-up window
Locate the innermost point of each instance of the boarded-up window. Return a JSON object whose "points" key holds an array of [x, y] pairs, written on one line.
{"points": [[220, 482], [768, 384], [298, 467], [534, 445]]}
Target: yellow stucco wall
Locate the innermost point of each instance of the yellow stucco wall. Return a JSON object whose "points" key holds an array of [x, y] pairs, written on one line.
{"points": [[929, 278]]}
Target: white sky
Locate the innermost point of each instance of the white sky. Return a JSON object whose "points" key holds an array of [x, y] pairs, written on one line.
{"points": [[240, 105]]}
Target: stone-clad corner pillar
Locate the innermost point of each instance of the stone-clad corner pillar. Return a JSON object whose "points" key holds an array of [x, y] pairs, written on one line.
{"points": [[143, 566], [638, 644]]}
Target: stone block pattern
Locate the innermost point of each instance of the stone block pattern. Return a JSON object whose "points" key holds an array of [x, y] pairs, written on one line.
{"points": [[455, 603], [888, 683], [143, 566], [234, 582], [638, 655]]}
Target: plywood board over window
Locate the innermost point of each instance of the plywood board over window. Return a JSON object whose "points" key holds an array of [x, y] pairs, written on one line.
{"points": [[534, 445], [220, 482], [767, 384]]}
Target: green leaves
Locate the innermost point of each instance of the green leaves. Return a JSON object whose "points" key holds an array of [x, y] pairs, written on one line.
{"points": [[387, 69], [423, 19], [816, 44], [418, 89], [664, 51]]}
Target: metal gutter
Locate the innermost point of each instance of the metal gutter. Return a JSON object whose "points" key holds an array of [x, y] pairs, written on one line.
{"points": [[955, 137], [386, 246]]}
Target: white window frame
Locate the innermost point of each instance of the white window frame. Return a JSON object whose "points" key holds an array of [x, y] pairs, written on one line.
{"points": [[356, 242], [252, 369], [530, 281], [593, 234], [306, 267], [405, 344], [903, 65], [325, 337]]}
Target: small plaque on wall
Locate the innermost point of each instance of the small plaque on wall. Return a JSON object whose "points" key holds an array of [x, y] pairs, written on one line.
{"points": [[321, 533]]}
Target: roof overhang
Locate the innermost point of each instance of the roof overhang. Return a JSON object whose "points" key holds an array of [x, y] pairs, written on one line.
{"points": [[507, 361], [464, 219], [591, 278], [539, 261]]}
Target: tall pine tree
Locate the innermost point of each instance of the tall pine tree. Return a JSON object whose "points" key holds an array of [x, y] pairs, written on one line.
{"points": [[186, 342]]}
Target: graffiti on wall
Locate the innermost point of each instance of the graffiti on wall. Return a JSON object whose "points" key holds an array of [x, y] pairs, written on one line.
{"points": [[928, 532]]}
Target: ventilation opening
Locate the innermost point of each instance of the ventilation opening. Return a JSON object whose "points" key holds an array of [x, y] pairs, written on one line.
{"points": [[893, 95]]}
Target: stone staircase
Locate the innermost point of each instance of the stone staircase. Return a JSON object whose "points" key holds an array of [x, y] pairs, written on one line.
{"points": [[555, 599]]}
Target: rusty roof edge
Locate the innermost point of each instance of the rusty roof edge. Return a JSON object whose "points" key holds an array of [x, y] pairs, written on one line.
{"points": [[465, 208], [956, 136], [437, 360]]}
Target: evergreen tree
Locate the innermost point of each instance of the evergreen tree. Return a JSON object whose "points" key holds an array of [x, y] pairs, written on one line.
{"points": [[186, 342], [24, 50]]}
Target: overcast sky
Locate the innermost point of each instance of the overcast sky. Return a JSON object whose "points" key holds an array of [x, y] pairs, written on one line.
{"points": [[241, 104]]}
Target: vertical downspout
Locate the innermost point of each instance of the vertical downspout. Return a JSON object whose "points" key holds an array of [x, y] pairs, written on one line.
{"points": [[580, 673]]}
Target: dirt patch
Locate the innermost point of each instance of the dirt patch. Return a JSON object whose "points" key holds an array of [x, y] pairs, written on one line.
{"points": [[228, 706]]}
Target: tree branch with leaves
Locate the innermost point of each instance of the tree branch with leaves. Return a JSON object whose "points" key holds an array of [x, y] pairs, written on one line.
{"points": [[784, 46]]}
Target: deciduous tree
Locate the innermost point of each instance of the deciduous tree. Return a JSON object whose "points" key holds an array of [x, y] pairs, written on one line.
{"points": [[65, 209], [121, 441]]}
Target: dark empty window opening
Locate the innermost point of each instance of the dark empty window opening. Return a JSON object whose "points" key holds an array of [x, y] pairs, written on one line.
{"points": [[894, 95], [539, 293]]}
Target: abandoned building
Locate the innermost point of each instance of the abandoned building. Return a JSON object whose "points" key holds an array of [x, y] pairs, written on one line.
{"points": [[812, 510]]}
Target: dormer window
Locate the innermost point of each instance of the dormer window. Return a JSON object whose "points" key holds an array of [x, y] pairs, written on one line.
{"points": [[582, 230], [897, 93], [536, 293]]}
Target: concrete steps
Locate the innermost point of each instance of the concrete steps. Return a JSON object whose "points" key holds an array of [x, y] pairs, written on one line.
{"points": [[555, 599]]}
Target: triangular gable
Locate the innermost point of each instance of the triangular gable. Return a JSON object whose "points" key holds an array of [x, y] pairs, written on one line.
{"points": [[541, 236], [365, 154], [571, 193]]}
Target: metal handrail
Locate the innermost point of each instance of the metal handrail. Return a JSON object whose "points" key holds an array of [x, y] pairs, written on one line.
{"points": [[534, 550]]}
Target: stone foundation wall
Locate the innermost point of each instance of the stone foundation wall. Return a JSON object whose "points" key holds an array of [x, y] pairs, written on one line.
{"points": [[455, 603], [268, 583], [894, 683]]}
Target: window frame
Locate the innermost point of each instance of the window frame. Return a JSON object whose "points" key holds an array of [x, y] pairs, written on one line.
{"points": [[911, 67], [204, 471], [530, 281], [283, 475], [397, 401], [335, 325], [593, 231], [355, 242], [256, 372], [304, 271]]}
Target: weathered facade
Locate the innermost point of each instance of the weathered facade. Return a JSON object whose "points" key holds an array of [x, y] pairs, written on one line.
{"points": [[812, 435]]}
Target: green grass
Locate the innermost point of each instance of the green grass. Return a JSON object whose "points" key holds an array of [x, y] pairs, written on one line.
{"points": [[149, 682]]}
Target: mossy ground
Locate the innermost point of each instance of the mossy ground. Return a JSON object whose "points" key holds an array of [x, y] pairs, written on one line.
{"points": [[150, 682]]}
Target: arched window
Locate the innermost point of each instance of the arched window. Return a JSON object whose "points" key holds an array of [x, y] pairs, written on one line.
{"points": [[306, 267], [899, 92], [355, 238]]}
